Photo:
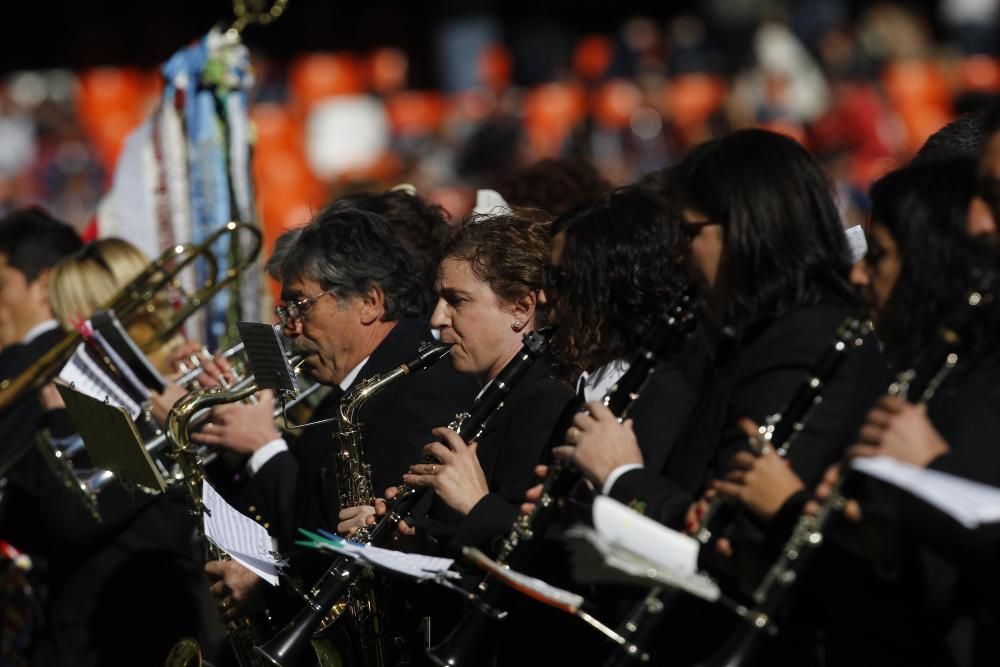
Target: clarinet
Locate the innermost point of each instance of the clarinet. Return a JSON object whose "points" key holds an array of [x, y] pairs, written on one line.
{"points": [[779, 431], [286, 647], [918, 384], [474, 638]]}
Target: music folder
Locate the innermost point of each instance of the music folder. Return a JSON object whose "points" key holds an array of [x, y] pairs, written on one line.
{"points": [[112, 440], [267, 357]]}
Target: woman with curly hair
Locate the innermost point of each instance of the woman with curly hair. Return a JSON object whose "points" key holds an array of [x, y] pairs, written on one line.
{"points": [[615, 269]]}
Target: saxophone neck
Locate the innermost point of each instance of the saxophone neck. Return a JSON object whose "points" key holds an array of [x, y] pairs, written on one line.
{"points": [[351, 404], [184, 410]]}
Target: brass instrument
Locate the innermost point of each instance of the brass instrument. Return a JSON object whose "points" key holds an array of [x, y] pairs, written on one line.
{"points": [[362, 599], [918, 384], [87, 483], [137, 299], [242, 632], [474, 638], [286, 647]]}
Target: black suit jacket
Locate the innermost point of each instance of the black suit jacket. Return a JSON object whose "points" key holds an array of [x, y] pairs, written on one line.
{"points": [[91, 568], [754, 378], [20, 421], [397, 424], [511, 445]]}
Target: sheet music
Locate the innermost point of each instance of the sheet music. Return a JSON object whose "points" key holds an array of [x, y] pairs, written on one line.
{"points": [[597, 560], [107, 323], [135, 386], [627, 547], [536, 588], [627, 528], [417, 566], [245, 540], [970, 503], [857, 242], [86, 376]]}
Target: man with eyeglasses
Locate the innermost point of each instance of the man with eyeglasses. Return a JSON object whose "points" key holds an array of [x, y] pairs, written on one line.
{"points": [[353, 307]]}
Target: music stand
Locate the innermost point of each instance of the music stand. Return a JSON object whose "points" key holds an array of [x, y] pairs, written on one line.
{"points": [[267, 357], [112, 440]]}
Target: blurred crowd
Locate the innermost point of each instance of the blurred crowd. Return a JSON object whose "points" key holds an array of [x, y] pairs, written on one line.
{"points": [[861, 87]]}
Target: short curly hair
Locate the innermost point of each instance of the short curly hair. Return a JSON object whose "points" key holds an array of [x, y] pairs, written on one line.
{"points": [[505, 251]]}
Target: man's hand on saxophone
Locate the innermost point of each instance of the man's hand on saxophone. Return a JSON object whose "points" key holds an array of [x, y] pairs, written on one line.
{"points": [[353, 518], [237, 589], [241, 427]]}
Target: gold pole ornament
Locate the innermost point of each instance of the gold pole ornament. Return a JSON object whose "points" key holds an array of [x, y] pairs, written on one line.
{"points": [[260, 12]]}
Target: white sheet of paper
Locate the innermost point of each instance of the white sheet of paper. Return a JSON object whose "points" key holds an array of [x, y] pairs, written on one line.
{"points": [[245, 540], [81, 373], [618, 558], [417, 566], [547, 593], [970, 503], [625, 527]]}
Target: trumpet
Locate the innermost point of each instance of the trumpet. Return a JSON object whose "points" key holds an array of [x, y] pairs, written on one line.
{"points": [[286, 647], [137, 298], [88, 483]]}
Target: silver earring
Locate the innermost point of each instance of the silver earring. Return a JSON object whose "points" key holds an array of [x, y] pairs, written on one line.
{"points": [[517, 325]]}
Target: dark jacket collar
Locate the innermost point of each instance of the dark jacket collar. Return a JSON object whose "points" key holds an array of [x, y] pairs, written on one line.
{"points": [[399, 346]]}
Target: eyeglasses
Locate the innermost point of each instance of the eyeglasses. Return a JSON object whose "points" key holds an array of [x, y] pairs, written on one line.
{"points": [[553, 276], [297, 310], [692, 229]]}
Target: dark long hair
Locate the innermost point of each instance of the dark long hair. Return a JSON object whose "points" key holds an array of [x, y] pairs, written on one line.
{"points": [[621, 258], [783, 240], [924, 208]]}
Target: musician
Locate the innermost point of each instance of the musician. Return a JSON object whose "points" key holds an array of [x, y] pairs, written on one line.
{"points": [[86, 281], [248, 429], [91, 567], [488, 286], [767, 252], [918, 235], [353, 307], [614, 270]]}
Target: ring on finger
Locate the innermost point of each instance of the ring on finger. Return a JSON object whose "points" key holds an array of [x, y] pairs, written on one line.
{"points": [[434, 469]]}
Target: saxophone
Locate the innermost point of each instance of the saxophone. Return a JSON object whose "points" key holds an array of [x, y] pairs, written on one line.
{"points": [[285, 647], [360, 595], [365, 602], [242, 632]]}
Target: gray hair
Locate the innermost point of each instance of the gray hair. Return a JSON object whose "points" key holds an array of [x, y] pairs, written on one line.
{"points": [[349, 250]]}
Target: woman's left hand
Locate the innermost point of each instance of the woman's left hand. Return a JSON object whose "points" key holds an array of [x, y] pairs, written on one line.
{"points": [[761, 483], [457, 478]]}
